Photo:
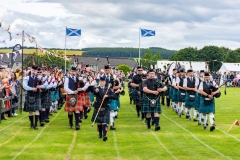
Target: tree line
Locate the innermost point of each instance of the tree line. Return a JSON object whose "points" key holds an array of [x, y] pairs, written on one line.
{"points": [[213, 55]]}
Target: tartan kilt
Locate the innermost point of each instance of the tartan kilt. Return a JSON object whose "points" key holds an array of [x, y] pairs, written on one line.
{"points": [[77, 107], [118, 101], [46, 100], [189, 104], [32, 107], [136, 97], [197, 102], [206, 109], [113, 104], [174, 95], [147, 109], [53, 96], [87, 101], [91, 95], [141, 100], [181, 99], [166, 93], [103, 119]]}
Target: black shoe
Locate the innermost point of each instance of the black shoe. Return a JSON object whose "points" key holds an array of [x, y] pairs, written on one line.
{"points": [[187, 116], [77, 127], [42, 124], [71, 126], [199, 123], [157, 128], [116, 116], [47, 120], [206, 124], [168, 106], [58, 108], [153, 123], [105, 138], [112, 128], [212, 128], [80, 120], [89, 109], [195, 120], [86, 116], [183, 113], [190, 118], [35, 127], [130, 102], [50, 114], [204, 127], [31, 126], [100, 136]]}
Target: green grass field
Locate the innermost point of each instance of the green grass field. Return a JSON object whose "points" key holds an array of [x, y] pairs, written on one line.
{"points": [[178, 138]]}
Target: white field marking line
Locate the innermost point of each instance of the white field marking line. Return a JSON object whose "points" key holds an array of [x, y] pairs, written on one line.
{"points": [[72, 145], [163, 146], [229, 135], [12, 123], [216, 151], [39, 134], [115, 145]]}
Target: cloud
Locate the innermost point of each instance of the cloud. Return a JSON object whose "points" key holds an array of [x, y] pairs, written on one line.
{"points": [[114, 23]]}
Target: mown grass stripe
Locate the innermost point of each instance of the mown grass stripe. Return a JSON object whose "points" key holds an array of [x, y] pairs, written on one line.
{"points": [[12, 123], [229, 135], [168, 151], [197, 138], [115, 145], [9, 140], [35, 139]]}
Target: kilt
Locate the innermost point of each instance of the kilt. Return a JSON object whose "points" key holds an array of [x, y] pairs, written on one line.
{"points": [[46, 100], [77, 107], [166, 93], [146, 107], [87, 101], [32, 107], [53, 96], [91, 95], [179, 98], [141, 100], [174, 95], [118, 102], [205, 109], [103, 119], [113, 104], [136, 96], [170, 92], [197, 102], [189, 104]]}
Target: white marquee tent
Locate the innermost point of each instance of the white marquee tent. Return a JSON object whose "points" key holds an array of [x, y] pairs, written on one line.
{"points": [[227, 67], [196, 66]]}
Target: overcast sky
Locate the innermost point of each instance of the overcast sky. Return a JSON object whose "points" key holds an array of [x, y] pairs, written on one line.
{"points": [[115, 23]]}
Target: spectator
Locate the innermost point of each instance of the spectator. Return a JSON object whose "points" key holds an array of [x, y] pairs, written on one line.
{"points": [[14, 91]]}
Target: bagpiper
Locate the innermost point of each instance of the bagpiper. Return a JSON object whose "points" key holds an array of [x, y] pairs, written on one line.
{"points": [[101, 113]]}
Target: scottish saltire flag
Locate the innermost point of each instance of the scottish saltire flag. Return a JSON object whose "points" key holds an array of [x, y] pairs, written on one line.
{"points": [[73, 32], [147, 33]]}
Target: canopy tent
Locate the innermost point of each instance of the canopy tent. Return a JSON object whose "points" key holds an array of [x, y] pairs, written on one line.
{"points": [[230, 67], [196, 66]]}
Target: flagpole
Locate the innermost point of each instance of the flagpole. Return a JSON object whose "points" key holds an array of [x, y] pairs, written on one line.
{"points": [[139, 45], [21, 98], [65, 50]]}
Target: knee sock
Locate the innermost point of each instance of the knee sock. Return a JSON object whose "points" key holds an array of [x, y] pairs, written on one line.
{"points": [[211, 119], [168, 102], [116, 113], [104, 129], [100, 129], [80, 115], [156, 120], [47, 113], [204, 120], [77, 118], [148, 122], [36, 119], [143, 115], [138, 110], [43, 116], [31, 119], [112, 115], [152, 115], [85, 110], [195, 114], [70, 119]]}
